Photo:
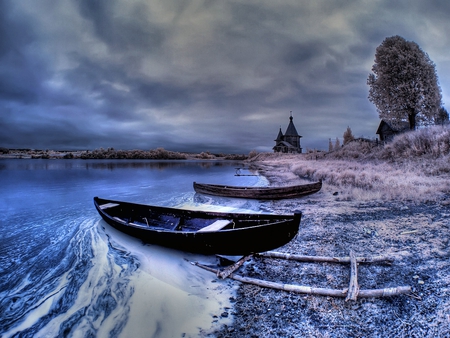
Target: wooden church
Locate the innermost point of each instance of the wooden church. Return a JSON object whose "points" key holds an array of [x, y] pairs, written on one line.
{"points": [[290, 141]]}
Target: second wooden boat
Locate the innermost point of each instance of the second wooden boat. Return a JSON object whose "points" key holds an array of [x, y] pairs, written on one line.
{"points": [[262, 193]]}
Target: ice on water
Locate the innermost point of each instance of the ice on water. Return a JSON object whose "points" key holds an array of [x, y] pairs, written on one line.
{"points": [[65, 272]]}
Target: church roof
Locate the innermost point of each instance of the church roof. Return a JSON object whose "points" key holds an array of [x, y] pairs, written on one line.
{"points": [[291, 131], [284, 143], [280, 135]]}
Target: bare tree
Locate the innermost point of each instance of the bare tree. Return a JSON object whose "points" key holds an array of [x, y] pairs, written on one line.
{"points": [[330, 145], [348, 136], [404, 84]]}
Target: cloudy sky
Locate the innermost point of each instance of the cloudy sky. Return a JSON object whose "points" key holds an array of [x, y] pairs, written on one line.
{"points": [[199, 75]]}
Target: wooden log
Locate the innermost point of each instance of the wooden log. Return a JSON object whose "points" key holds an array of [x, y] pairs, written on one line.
{"points": [[232, 268], [310, 290], [279, 286], [387, 292], [300, 258], [353, 287], [409, 232]]}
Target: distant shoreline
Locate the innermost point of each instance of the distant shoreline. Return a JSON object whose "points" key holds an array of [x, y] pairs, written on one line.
{"points": [[110, 153]]}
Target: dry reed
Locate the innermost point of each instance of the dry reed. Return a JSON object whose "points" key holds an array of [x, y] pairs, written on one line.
{"points": [[414, 166]]}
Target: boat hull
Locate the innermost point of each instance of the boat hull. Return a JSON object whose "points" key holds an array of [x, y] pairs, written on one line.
{"points": [[179, 228], [262, 193]]}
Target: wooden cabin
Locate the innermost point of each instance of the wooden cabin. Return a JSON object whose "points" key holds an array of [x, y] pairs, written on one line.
{"points": [[387, 131]]}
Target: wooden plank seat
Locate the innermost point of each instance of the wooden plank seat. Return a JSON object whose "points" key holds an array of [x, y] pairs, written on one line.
{"points": [[108, 205], [216, 226], [145, 226]]}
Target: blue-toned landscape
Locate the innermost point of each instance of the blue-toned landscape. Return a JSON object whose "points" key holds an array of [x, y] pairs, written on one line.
{"points": [[135, 100], [65, 272]]}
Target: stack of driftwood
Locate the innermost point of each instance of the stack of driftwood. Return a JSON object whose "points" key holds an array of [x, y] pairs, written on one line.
{"points": [[351, 293]]}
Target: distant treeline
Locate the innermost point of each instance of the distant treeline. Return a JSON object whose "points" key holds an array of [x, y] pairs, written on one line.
{"points": [[153, 154], [111, 153]]}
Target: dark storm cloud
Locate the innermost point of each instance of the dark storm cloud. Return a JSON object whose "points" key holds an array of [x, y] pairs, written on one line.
{"points": [[198, 75], [122, 33], [299, 53], [19, 81]]}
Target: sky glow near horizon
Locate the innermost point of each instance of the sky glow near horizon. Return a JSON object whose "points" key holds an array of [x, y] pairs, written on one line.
{"points": [[200, 75]]}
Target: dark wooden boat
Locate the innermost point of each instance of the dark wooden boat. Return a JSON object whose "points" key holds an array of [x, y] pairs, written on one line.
{"points": [[200, 231], [262, 193]]}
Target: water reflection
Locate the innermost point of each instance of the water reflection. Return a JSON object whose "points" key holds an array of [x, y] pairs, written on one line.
{"points": [[158, 165], [63, 272], [60, 164]]}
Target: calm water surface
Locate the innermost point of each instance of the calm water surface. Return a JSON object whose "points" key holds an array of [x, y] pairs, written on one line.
{"points": [[66, 273]]}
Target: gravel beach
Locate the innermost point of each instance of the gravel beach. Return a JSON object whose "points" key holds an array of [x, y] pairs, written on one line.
{"points": [[416, 235]]}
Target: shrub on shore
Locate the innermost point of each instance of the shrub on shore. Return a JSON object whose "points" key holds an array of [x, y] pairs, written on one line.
{"points": [[431, 143], [233, 157], [368, 181], [205, 156]]}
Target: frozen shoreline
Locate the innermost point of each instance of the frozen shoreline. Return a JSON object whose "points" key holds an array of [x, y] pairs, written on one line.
{"points": [[415, 233]]}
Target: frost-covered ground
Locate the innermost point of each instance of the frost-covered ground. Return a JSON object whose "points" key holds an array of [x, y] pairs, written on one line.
{"points": [[416, 234], [396, 205]]}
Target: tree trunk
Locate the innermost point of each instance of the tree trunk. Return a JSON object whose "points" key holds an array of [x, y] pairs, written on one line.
{"points": [[412, 119]]}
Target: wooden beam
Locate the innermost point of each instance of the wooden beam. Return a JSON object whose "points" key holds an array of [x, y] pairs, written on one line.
{"points": [[353, 287], [310, 290], [232, 268], [300, 258]]}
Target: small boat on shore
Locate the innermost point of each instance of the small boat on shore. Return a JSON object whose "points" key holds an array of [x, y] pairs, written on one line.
{"points": [[261, 193], [200, 231]]}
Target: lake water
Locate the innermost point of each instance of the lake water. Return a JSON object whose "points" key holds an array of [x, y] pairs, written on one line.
{"points": [[65, 273]]}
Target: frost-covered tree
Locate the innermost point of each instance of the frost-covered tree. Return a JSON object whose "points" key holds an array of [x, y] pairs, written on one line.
{"points": [[330, 145], [348, 136], [442, 117], [404, 84], [337, 144]]}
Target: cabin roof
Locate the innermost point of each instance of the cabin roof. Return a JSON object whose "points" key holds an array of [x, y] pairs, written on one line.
{"points": [[402, 126]]}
